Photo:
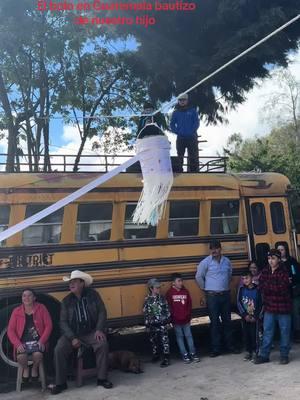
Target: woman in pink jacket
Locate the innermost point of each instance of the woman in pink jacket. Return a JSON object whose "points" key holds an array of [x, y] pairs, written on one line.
{"points": [[29, 328]]}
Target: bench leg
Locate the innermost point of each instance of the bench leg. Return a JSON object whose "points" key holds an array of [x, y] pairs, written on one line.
{"points": [[79, 372], [19, 379], [42, 375]]}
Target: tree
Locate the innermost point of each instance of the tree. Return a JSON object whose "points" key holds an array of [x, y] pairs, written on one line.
{"points": [[48, 65], [283, 105], [94, 84], [197, 43], [276, 152], [28, 80], [279, 150]]}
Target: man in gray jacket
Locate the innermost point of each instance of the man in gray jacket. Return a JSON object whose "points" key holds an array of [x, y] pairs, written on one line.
{"points": [[82, 322]]}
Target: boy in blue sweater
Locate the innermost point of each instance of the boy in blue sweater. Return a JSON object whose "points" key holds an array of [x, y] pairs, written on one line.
{"points": [[249, 304]]}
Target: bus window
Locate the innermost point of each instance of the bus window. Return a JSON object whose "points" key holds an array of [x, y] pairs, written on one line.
{"points": [[277, 215], [4, 219], [184, 218], [262, 250], [94, 222], [133, 231], [224, 216], [259, 218], [47, 230], [294, 200]]}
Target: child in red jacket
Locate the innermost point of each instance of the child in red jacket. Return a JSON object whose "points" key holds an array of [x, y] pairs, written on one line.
{"points": [[180, 304]]}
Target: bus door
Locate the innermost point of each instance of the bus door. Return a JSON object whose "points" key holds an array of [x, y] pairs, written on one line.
{"points": [[268, 224]]}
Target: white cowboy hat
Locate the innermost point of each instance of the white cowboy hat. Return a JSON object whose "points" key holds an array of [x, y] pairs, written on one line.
{"points": [[88, 280]]}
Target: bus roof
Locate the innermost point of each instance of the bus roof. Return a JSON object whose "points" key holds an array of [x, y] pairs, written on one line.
{"points": [[247, 184]]}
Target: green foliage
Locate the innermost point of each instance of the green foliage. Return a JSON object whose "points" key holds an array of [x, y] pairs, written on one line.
{"points": [[276, 152]]}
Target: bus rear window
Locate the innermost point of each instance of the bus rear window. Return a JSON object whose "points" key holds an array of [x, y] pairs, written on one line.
{"points": [[134, 231], [4, 220], [259, 221], [277, 215], [94, 222], [184, 218], [224, 216], [47, 230]]}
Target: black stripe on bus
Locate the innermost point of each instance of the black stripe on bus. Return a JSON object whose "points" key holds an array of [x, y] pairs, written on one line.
{"points": [[118, 244], [113, 190], [52, 270], [63, 287]]}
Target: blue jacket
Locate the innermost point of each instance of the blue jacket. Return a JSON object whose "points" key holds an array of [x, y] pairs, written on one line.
{"points": [[185, 121], [249, 301]]}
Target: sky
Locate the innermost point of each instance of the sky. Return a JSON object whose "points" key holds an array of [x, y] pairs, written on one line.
{"points": [[246, 119]]}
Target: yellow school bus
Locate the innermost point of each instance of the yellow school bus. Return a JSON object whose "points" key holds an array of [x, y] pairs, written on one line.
{"points": [[248, 213]]}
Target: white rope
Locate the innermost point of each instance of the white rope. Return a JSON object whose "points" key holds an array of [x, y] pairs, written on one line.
{"points": [[171, 103], [174, 101], [66, 200], [91, 185]]}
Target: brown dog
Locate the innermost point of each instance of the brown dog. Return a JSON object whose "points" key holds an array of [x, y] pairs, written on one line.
{"points": [[125, 361]]}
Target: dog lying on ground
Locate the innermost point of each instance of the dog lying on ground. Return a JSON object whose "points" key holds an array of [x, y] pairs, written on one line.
{"points": [[125, 361]]}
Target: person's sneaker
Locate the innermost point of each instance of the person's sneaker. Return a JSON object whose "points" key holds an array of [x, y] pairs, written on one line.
{"points": [[261, 360], [56, 389], [186, 359], [248, 357], [195, 358], [105, 383], [232, 350], [155, 358], [165, 362], [214, 354], [284, 360]]}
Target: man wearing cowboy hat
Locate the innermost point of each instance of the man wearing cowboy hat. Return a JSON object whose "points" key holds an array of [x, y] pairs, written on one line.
{"points": [[82, 322]]}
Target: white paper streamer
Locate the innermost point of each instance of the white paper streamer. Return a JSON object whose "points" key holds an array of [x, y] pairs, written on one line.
{"points": [[155, 160]]}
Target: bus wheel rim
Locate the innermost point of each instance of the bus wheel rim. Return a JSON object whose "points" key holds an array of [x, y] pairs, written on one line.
{"points": [[2, 352]]}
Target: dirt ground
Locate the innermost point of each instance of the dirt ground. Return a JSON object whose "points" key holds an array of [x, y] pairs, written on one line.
{"points": [[227, 377]]}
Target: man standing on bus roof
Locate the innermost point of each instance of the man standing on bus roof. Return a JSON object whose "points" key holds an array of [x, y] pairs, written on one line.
{"points": [[82, 322], [185, 123], [214, 276]]}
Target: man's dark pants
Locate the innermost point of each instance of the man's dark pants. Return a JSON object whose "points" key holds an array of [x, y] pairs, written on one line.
{"points": [[219, 305], [191, 144], [64, 348]]}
